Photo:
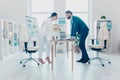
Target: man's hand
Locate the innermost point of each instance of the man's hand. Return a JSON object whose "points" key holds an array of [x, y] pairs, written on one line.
{"points": [[72, 37]]}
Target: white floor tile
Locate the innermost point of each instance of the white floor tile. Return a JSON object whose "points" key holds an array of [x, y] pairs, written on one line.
{"points": [[11, 69]]}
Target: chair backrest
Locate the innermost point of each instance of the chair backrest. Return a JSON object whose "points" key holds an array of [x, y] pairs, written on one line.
{"points": [[29, 46], [33, 33], [32, 26], [103, 36], [25, 44]]}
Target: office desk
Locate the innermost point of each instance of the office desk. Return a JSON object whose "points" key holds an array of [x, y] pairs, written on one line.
{"points": [[53, 46]]}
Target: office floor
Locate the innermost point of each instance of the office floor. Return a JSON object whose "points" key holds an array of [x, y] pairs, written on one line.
{"points": [[10, 69]]}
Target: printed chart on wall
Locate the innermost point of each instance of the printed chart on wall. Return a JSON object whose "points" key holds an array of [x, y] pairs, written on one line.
{"points": [[10, 32], [32, 25], [9, 36]]}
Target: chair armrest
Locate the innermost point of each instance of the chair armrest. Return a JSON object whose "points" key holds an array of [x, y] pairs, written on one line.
{"points": [[105, 44], [93, 41]]}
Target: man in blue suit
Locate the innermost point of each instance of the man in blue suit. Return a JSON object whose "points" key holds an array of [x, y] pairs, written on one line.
{"points": [[78, 26]]}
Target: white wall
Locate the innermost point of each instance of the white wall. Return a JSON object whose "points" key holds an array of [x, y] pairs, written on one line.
{"points": [[58, 8], [1, 55], [13, 10], [109, 8]]}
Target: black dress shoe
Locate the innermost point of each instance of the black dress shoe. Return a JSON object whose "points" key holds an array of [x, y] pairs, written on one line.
{"points": [[83, 60], [80, 60]]}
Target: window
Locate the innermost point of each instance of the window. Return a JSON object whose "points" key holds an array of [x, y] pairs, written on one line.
{"points": [[41, 9], [42, 5], [79, 8]]}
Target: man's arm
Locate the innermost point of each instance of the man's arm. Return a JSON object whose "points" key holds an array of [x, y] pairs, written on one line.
{"points": [[73, 29]]}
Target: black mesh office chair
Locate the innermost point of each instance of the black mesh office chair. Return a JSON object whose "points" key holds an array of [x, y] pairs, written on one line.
{"points": [[30, 52], [103, 38]]}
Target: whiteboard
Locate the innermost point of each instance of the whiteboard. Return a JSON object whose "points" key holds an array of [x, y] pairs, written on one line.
{"points": [[32, 25]]}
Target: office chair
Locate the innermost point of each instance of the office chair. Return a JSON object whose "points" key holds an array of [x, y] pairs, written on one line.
{"points": [[103, 35], [30, 52]]}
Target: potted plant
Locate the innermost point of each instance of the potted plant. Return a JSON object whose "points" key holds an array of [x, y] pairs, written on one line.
{"points": [[76, 43], [103, 17]]}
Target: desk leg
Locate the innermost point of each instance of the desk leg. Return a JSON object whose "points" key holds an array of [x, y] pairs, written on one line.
{"points": [[52, 56], [55, 48], [72, 57], [67, 49]]}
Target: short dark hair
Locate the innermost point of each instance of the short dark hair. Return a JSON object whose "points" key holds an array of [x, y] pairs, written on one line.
{"points": [[69, 12], [53, 14]]}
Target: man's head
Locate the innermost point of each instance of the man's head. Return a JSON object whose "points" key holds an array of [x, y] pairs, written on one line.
{"points": [[68, 14], [54, 16]]}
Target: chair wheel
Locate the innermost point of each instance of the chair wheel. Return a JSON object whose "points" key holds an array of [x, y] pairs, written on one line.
{"points": [[103, 65], [88, 62], [38, 64], [20, 62], [109, 62], [23, 65]]}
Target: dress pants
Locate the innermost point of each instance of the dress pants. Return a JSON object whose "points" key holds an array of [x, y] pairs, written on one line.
{"points": [[82, 46], [44, 42]]}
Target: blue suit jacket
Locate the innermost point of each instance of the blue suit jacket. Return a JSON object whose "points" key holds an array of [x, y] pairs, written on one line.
{"points": [[78, 25]]}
